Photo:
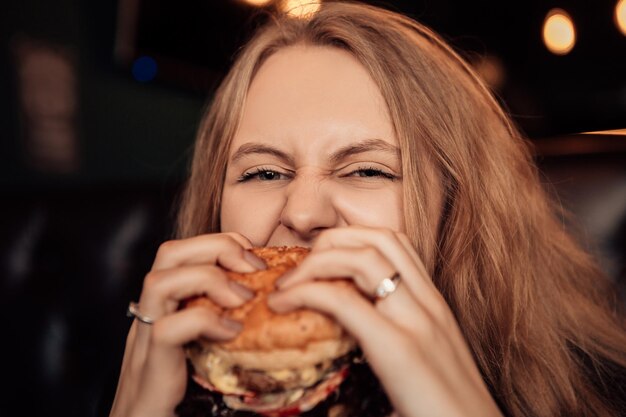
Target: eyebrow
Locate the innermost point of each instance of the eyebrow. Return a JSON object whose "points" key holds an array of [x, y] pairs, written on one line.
{"points": [[339, 155], [259, 148], [367, 145]]}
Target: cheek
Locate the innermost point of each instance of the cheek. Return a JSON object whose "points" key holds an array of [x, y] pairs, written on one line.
{"points": [[254, 215], [380, 208]]}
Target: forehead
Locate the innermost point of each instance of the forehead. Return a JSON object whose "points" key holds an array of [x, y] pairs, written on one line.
{"points": [[313, 96]]}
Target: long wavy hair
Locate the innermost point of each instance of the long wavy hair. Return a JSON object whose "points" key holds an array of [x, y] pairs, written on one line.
{"points": [[536, 311]]}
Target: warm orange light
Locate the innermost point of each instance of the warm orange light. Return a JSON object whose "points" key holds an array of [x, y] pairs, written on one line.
{"points": [[301, 8], [258, 3], [620, 16], [559, 34]]}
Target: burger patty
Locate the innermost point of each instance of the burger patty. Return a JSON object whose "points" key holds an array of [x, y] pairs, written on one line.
{"points": [[263, 382], [361, 395], [259, 381]]}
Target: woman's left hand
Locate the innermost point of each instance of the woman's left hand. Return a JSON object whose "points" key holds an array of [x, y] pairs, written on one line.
{"points": [[410, 338]]}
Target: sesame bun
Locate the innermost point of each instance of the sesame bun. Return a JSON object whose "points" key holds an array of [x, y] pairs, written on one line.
{"points": [[263, 329]]}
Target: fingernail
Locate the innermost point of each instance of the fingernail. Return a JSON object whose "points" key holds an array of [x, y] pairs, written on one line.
{"points": [[278, 308], [254, 260], [243, 292], [231, 324], [280, 282], [270, 300]]}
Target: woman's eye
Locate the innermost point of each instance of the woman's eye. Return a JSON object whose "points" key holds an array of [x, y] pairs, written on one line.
{"points": [[265, 174], [261, 175], [371, 173]]}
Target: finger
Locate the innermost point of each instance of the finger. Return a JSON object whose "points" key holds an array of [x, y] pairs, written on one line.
{"points": [[191, 324], [399, 252], [163, 290], [241, 239], [400, 307], [395, 246], [365, 266], [163, 375], [340, 301], [226, 250]]}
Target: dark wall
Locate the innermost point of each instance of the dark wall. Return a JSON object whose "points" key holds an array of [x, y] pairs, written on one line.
{"points": [[124, 130]]}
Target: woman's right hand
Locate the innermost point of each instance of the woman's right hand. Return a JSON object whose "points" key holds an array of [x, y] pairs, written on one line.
{"points": [[154, 375]]}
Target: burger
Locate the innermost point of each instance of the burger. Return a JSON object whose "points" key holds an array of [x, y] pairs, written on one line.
{"points": [[279, 364]]}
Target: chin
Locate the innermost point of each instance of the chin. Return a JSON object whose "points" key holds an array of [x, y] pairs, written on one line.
{"points": [[280, 364]]}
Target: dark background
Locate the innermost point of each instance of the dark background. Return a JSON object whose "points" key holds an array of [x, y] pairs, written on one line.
{"points": [[82, 212], [127, 130]]}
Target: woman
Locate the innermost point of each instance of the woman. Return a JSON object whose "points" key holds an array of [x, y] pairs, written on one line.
{"points": [[359, 133]]}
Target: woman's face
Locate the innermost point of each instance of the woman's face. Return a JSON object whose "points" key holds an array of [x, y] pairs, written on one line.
{"points": [[315, 150]]}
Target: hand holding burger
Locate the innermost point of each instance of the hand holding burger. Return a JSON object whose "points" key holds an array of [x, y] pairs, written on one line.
{"points": [[153, 375], [279, 364]]}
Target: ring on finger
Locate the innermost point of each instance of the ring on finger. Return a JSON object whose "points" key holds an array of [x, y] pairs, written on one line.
{"points": [[133, 311], [387, 286]]}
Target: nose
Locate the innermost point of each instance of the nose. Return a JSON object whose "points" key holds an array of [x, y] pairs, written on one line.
{"points": [[308, 208]]}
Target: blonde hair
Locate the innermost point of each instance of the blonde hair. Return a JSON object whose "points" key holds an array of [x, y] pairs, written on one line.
{"points": [[534, 308]]}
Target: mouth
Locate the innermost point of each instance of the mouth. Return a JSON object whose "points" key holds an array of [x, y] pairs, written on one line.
{"points": [[280, 243]]}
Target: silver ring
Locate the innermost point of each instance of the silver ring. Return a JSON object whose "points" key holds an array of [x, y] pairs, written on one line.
{"points": [[387, 286], [133, 311]]}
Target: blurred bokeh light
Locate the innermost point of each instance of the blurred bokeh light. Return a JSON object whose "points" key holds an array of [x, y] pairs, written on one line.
{"points": [[559, 33], [144, 69], [257, 3], [620, 16], [300, 8]]}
